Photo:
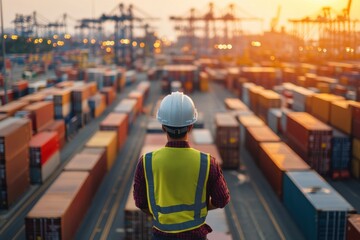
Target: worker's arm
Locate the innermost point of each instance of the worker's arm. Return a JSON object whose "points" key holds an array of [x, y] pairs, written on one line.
{"points": [[146, 211], [211, 206]]}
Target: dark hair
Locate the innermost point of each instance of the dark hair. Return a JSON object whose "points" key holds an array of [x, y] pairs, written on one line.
{"points": [[176, 132]]}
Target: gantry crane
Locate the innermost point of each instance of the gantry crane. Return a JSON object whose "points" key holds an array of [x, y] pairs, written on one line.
{"points": [[209, 19]]}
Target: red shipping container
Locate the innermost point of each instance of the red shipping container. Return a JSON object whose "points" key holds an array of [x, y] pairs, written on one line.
{"points": [[59, 127], [42, 146]]}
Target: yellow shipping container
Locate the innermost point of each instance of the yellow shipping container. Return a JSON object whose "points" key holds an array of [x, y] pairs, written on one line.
{"points": [[341, 115], [355, 167], [356, 148], [106, 139], [320, 106]]}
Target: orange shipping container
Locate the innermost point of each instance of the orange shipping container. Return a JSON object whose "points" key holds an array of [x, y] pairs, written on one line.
{"points": [[105, 139], [256, 135], [117, 122], [277, 158], [321, 104], [341, 115], [12, 107]]}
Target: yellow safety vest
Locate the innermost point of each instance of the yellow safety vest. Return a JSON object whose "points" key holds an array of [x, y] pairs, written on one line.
{"points": [[176, 181]]}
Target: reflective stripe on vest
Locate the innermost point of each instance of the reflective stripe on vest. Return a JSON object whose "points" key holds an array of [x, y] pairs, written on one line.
{"points": [[196, 207]]}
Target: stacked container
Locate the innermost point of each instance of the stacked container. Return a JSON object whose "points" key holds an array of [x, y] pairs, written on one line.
{"points": [[80, 106], [139, 96], [97, 104], [14, 159], [59, 127], [202, 140], [93, 163], [109, 93], [20, 88], [275, 159], [267, 99], [255, 136], [96, 75], [110, 79], [62, 104], [117, 122], [248, 121], [11, 108], [227, 139], [186, 74], [59, 212], [340, 155], [137, 224], [311, 139], [107, 140], [321, 104], [235, 104], [44, 156], [318, 209], [353, 227], [127, 106], [302, 99], [355, 163], [41, 114]]}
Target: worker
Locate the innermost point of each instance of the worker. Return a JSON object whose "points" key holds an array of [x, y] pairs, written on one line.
{"points": [[177, 185]]}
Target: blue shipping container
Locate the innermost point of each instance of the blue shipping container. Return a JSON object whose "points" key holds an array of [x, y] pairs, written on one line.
{"points": [[317, 208]]}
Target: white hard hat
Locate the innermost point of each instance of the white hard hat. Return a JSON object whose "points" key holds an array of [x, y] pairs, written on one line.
{"points": [[177, 110]]}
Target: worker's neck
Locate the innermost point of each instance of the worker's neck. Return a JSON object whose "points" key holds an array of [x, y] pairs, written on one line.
{"points": [[185, 138]]}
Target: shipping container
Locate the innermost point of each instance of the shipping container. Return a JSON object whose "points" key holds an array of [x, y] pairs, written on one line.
{"points": [[353, 227], [117, 122], [137, 224], [154, 126], [318, 209], [235, 104], [311, 139], [107, 140], [41, 114], [127, 106], [355, 111], [227, 133], [201, 136], [59, 127], [38, 174], [59, 212], [275, 159], [321, 105], [41, 147], [10, 142], [11, 108], [14, 189], [340, 155], [248, 121], [254, 136], [94, 163]]}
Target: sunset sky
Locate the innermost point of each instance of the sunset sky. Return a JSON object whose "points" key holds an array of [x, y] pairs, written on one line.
{"points": [[265, 9]]}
